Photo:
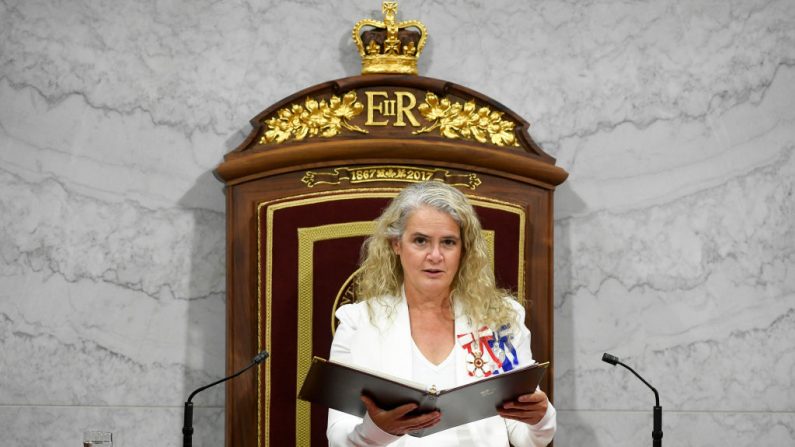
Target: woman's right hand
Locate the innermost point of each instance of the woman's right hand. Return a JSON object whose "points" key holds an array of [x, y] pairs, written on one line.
{"points": [[397, 421]]}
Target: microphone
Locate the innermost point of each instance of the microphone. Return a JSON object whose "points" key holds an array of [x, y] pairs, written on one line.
{"points": [[187, 428], [656, 433]]}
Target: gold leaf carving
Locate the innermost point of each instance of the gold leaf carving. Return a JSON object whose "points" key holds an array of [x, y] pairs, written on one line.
{"points": [[313, 118], [467, 121]]}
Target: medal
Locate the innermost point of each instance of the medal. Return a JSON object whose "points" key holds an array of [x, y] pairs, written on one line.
{"points": [[476, 366], [477, 344]]}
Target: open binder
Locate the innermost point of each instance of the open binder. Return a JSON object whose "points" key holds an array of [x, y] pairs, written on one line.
{"points": [[338, 386]]}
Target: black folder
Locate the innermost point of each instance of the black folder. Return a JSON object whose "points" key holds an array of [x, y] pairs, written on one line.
{"points": [[338, 386]]}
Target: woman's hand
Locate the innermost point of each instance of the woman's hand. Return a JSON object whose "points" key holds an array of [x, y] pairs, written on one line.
{"points": [[396, 421], [527, 408]]}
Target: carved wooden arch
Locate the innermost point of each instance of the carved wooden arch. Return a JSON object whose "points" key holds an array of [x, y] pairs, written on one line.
{"points": [[302, 191]]}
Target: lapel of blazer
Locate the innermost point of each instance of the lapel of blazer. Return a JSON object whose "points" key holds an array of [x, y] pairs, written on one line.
{"points": [[396, 343]]}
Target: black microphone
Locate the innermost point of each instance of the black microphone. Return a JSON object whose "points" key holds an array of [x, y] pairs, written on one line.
{"points": [[187, 429], [656, 434]]}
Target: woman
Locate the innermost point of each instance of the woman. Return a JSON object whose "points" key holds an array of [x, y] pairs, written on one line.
{"points": [[428, 303]]}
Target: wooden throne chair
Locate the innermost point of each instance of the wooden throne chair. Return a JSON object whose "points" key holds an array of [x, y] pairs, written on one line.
{"points": [[303, 190]]}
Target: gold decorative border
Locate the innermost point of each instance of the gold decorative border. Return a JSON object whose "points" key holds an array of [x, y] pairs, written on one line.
{"points": [[273, 206], [305, 199], [388, 173], [306, 241]]}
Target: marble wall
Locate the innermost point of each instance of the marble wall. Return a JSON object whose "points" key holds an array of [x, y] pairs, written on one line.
{"points": [[674, 233]]}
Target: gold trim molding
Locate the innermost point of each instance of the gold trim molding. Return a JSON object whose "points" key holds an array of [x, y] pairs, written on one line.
{"points": [[263, 411], [307, 237], [388, 173]]}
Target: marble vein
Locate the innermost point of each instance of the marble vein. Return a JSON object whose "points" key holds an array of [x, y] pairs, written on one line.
{"points": [[665, 223], [96, 154], [66, 48], [151, 251]]}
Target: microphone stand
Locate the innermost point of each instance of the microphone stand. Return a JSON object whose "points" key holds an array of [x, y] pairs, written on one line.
{"points": [[656, 434], [187, 428]]}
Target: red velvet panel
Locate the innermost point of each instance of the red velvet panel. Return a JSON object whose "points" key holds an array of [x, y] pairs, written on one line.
{"points": [[333, 262]]}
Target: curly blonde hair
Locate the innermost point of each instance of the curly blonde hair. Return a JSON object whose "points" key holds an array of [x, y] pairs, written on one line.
{"points": [[473, 287]]}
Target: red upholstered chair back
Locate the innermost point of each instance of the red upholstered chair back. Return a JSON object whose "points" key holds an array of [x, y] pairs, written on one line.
{"points": [[322, 236]]}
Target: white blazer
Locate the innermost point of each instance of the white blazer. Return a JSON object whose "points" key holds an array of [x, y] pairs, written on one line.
{"points": [[386, 346]]}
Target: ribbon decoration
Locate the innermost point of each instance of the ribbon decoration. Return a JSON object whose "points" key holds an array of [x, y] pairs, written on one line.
{"points": [[503, 339], [477, 365]]}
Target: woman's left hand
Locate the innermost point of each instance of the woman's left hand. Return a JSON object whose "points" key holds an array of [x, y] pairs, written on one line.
{"points": [[527, 408]]}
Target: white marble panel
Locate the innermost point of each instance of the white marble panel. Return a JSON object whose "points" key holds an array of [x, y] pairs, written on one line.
{"points": [[178, 62], [697, 290], [627, 167], [577, 68], [107, 154], [119, 302]]}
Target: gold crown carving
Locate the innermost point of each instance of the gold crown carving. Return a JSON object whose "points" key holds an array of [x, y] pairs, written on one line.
{"points": [[390, 47]]}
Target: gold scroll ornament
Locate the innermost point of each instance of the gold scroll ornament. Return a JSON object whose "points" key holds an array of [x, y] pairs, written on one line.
{"points": [[406, 174]]}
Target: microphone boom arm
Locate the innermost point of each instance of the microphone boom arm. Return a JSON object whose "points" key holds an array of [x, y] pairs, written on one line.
{"points": [[187, 428], [657, 432], [656, 395]]}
